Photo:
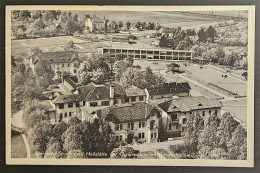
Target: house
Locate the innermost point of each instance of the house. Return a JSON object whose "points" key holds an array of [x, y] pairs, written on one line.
{"points": [[175, 112], [58, 61], [95, 23], [134, 94], [168, 90], [132, 121]]}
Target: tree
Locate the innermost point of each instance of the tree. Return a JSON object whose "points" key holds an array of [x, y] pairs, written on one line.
{"points": [[34, 113], [211, 33], [230, 59], [50, 15], [94, 69], [202, 35], [73, 137], [238, 143], [64, 17], [39, 23], [128, 25], [120, 24], [24, 14], [41, 134]]}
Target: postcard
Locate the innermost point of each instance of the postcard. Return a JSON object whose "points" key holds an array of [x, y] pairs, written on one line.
{"points": [[130, 85]]}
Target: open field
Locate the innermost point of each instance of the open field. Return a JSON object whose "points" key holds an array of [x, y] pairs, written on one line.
{"points": [[18, 149], [173, 19], [211, 76]]}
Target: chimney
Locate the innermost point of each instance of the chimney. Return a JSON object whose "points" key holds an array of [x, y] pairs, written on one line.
{"points": [[112, 94]]}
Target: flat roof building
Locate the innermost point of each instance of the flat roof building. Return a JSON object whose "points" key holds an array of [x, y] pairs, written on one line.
{"points": [[148, 53]]}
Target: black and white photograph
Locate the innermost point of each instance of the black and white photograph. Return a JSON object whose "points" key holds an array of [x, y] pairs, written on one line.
{"points": [[130, 85]]}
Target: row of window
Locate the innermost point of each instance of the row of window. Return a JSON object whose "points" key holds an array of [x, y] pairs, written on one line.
{"points": [[133, 98], [103, 103], [70, 105], [141, 124], [146, 52], [65, 115]]}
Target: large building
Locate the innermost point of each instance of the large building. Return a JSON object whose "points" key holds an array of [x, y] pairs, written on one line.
{"points": [[95, 23], [175, 112], [132, 121], [58, 61], [149, 53]]}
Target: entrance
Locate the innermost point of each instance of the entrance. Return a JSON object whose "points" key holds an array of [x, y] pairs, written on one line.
{"points": [[130, 138]]}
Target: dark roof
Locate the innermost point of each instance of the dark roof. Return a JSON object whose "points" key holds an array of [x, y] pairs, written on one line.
{"points": [[72, 80], [55, 57], [169, 88], [134, 91], [185, 104], [92, 92], [67, 98], [127, 112]]}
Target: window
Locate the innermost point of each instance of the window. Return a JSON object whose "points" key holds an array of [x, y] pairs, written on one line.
{"points": [[170, 126], [84, 103], [70, 105], [120, 137], [61, 106], [174, 117], [209, 111], [216, 112], [77, 104], [203, 113], [58, 68], [62, 65], [75, 71], [141, 135], [117, 138], [127, 99], [61, 116], [69, 114], [68, 64], [152, 123], [131, 125], [66, 115], [151, 97], [184, 120], [116, 101], [105, 103], [118, 126], [141, 98], [184, 113], [93, 104], [133, 99], [141, 124], [153, 135]]}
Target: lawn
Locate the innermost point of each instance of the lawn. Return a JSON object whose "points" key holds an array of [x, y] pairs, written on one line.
{"points": [[18, 149]]}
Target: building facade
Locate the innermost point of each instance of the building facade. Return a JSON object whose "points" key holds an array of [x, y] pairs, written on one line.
{"points": [[149, 54], [95, 23], [58, 61], [132, 122], [176, 112]]}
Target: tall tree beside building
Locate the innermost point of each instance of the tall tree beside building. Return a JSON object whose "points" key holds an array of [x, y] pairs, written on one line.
{"points": [[211, 33], [41, 133]]}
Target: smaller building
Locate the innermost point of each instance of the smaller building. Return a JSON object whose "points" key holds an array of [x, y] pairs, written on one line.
{"points": [[95, 23], [175, 112], [58, 61], [168, 90], [132, 122]]}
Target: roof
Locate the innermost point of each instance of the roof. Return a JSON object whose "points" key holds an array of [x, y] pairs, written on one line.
{"points": [[134, 91], [72, 80], [92, 92], [96, 19], [55, 57], [169, 88], [186, 104], [127, 112], [67, 98]]}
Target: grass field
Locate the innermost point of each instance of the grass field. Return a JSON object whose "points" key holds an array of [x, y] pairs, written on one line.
{"points": [[18, 149], [173, 19]]}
